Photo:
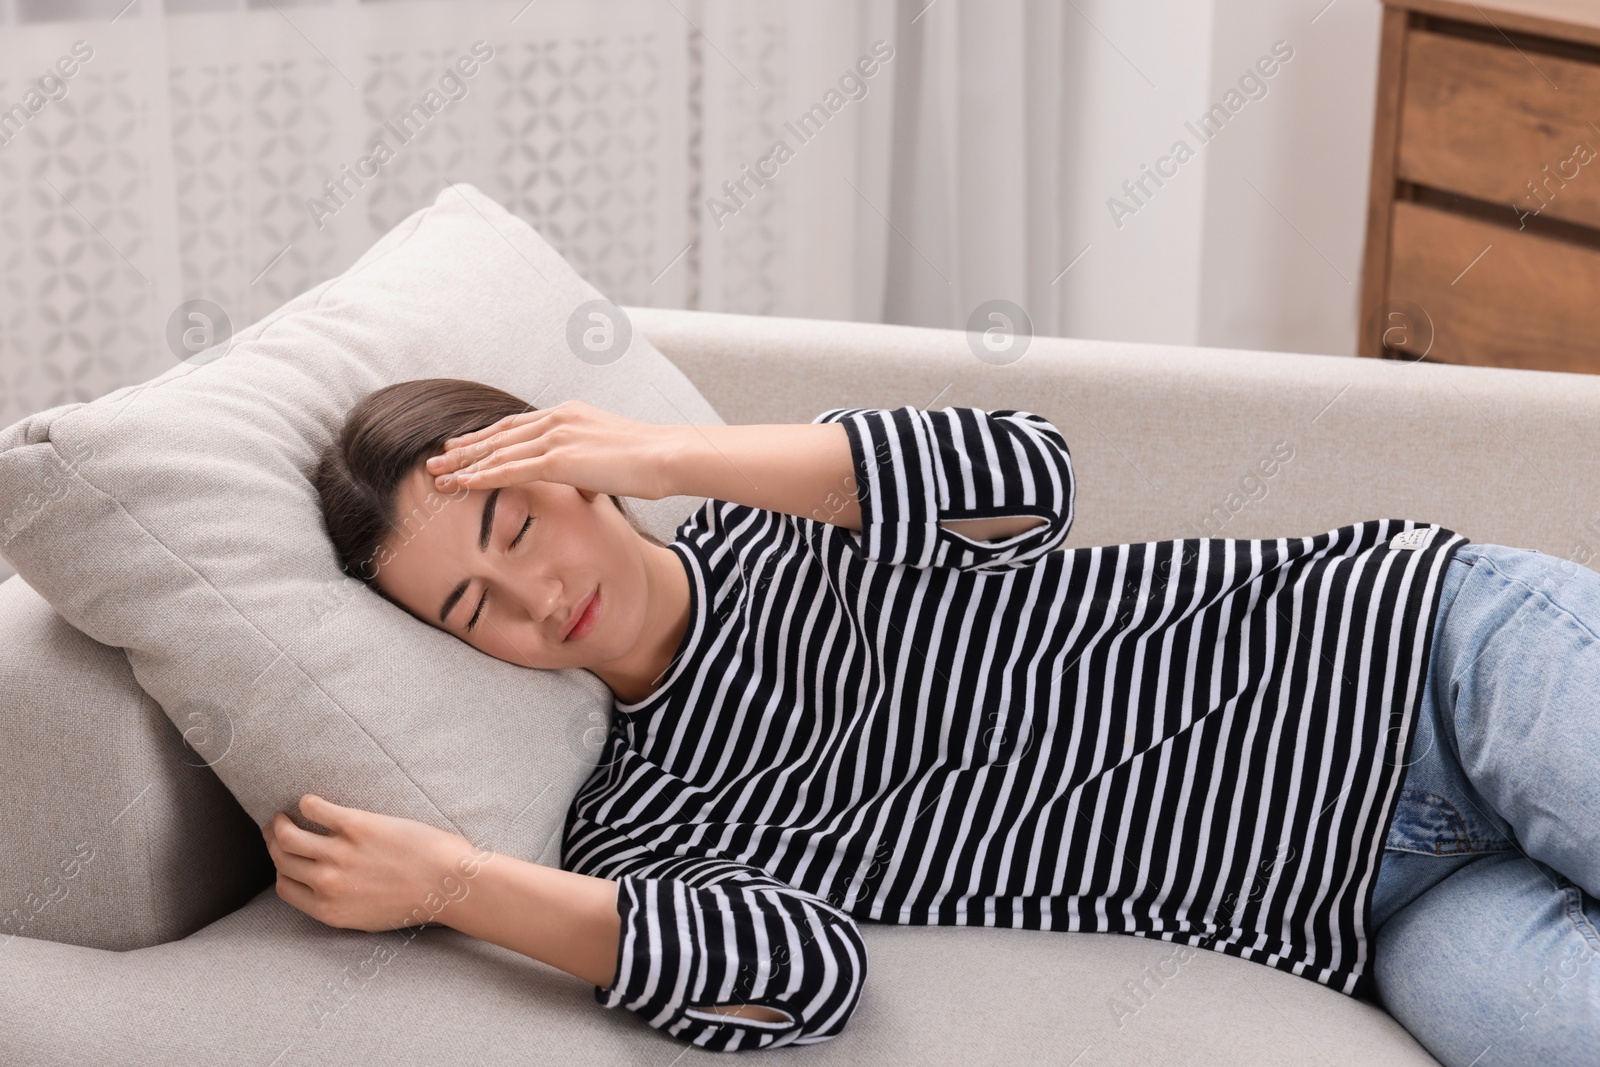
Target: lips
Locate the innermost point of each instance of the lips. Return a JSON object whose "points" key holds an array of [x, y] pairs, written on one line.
{"points": [[577, 617]]}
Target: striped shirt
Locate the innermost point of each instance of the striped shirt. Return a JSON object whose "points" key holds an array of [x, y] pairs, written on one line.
{"points": [[1195, 740]]}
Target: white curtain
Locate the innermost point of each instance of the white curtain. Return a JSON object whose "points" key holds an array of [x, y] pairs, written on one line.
{"points": [[935, 191], [188, 158], [936, 154]]}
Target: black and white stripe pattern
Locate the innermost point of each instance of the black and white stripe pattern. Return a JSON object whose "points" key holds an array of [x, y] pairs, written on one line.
{"points": [[1198, 740]]}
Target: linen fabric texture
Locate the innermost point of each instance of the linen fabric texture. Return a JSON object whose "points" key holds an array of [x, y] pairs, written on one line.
{"points": [[178, 521]]}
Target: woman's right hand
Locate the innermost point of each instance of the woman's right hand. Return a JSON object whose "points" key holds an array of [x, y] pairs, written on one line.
{"points": [[574, 443]]}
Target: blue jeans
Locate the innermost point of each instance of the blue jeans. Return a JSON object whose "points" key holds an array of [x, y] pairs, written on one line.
{"points": [[1487, 901]]}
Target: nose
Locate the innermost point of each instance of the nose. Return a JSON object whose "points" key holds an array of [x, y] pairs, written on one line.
{"points": [[536, 590], [544, 597]]}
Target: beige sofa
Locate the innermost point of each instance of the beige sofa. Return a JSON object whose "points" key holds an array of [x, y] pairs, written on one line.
{"points": [[149, 932]]}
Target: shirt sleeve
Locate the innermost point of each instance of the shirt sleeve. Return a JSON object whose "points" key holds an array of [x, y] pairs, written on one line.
{"points": [[723, 933], [915, 468]]}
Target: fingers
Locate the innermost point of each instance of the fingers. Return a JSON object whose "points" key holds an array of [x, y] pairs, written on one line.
{"points": [[319, 810], [313, 861], [494, 427], [296, 842], [459, 457], [509, 424], [499, 425], [291, 839], [323, 810], [485, 448], [500, 475], [292, 865], [510, 451], [524, 450], [297, 894]]}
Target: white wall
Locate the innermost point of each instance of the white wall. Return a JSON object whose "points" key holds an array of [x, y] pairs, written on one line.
{"points": [[1291, 281], [1141, 70], [1208, 259]]}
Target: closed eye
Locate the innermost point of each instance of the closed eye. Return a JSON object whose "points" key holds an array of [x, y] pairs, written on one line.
{"points": [[473, 622], [525, 524]]}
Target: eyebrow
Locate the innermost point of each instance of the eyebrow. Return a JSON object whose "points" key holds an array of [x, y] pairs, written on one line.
{"points": [[488, 521], [485, 528]]}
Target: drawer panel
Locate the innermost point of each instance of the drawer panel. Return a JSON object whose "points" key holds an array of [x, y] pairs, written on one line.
{"points": [[1480, 120], [1530, 301]]}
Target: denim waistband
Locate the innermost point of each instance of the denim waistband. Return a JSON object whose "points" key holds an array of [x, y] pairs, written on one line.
{"points": [[1439, 812]]}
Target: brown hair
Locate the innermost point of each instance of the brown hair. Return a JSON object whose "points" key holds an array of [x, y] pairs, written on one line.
{"points": [[385, 436]]}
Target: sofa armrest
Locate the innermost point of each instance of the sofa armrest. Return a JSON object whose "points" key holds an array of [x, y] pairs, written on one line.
{"points": [[116, 835]]}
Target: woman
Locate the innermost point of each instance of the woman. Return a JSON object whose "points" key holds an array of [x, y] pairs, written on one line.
{"points": [[861, 683]]}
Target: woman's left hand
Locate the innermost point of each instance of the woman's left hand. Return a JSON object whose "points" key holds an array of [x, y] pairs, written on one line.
{"points": [[373, 873], [574, 443]]}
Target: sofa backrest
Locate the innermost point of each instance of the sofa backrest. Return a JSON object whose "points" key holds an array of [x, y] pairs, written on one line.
{"points": [[1170, 441]]}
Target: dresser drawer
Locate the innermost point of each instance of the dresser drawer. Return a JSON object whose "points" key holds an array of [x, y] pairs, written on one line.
{"points": [[1482, 120], [1528, 301]]}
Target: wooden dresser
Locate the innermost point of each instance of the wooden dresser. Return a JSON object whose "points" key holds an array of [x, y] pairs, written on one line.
{"points": [[1483, 223]]}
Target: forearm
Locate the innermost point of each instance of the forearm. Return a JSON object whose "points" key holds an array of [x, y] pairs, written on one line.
{"points": [[567, 920], [801, 469]]}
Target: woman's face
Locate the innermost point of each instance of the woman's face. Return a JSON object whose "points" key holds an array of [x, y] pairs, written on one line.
{"points": [[448, 552]]}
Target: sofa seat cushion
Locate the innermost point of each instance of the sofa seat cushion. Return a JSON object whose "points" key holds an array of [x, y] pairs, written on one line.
{"points": [[267, 984]]}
